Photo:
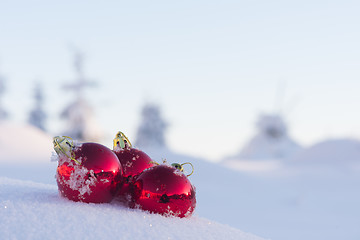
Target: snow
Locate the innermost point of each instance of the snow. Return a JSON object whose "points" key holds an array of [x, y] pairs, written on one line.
{"points": [[313, 197], [31, 210], [23, 143], [331, 151], [253, 166]]}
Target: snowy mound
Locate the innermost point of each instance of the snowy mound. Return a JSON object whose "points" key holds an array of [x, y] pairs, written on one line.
{"points": [[31, 210], [331, 151], [23, 143]]}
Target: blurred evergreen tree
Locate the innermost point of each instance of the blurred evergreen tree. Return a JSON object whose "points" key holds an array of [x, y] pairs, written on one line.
{"points": [[38, 116], [272, 140], [151, 131], [3, 113], [79, 115]]}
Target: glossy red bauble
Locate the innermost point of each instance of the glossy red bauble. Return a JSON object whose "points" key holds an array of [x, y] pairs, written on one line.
{"points": [[92, 174], [165, 190], [133, 162]]}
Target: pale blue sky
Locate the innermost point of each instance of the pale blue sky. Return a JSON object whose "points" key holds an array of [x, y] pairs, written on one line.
{"points": [[213, 66]]}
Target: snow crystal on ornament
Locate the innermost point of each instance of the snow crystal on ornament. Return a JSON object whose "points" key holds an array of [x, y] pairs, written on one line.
{"points": [[171, 214], [189, 211], [77, 177], [78, 180], [177, 172], [128, 164]]}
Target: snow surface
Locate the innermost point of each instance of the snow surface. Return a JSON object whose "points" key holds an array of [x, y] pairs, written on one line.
{"points": [[312, 199], [31, 210]]}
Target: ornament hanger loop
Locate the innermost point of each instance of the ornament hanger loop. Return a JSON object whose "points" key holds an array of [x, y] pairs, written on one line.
{"points": [[181, 168], [156, 163], [153, 162], [64, 145], [192, 168], [122, 141], [178, 166]]}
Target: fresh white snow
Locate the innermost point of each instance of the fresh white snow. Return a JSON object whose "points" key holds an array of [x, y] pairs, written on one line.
{"points": [[331, 151], [23, 143]]}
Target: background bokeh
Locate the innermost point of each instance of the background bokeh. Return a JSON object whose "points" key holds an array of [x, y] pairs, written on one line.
{"points": [[212, 66]]}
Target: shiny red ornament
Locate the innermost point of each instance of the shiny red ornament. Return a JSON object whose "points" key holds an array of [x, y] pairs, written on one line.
{"points": [[89, 172], [165, 190], [133, 162]]}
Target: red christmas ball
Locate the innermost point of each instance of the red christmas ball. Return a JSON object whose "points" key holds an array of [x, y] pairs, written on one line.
{"points": [[165, 190], [89, 172], [133, 162]]}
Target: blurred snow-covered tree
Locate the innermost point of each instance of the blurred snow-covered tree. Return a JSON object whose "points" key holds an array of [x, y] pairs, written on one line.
{"points": [[38, 116], [79, 115], [151, 131], [272, 140], [3, 113]]}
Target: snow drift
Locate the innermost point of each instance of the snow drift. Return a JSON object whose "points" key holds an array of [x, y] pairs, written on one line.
{"points": [[334, 151], [23, 143]]}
